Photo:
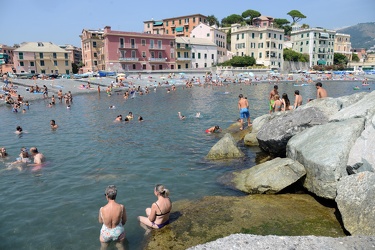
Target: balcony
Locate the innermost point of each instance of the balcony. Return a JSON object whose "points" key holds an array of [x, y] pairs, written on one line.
{"points": [[183, 48], [183, 59], [156, 47], [186, 24], [157, 59], [128, 59], [128, 46]]}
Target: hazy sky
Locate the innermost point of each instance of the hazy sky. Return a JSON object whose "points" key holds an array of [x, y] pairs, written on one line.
{"points": [[61, 22]]}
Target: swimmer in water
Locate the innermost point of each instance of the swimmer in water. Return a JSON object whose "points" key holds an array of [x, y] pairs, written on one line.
{"points": [[198, 114], [68, 107], [182, 117], [118, 118], [213, 129], [112, 107], [18, 130], [53, 124]]}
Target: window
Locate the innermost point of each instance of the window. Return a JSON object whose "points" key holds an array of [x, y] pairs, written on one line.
{"points": [[243, 35], [21, 64], [167, 32], [94, 44], [172, 55], [274, 36], [41, 55], [143, 42], [133, 54], [66, 63], [205, 56], [148, 25], [205, 65], [269, 35], [54, 55], [166, 23], [186, 54], [300, 50], [199, 55], [260, 35], [43, 71], [212, 56], [186, 29], [95, 63], [260, 54], [179, 21], [20, 55], [238, 36], [160, 54], [193, 19], [54, 63], [208, 34], [32, 64], [66, 55], [193, 55], [173, 22], [186, 66], [121, 42], [41, 62], [178, 54], [151, 44], [252, 35], [144, 54], [281, 37], [95, 54], [159, 44]]}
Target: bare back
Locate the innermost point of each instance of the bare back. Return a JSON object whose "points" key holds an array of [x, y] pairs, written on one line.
{"points": [[243, 103], [112, 214], [321, 93]]}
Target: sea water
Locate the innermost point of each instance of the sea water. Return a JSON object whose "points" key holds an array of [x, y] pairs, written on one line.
{"points": [[57, 206]]}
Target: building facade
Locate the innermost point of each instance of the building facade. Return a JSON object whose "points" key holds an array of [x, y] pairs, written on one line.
{"points": [[175, 26], [75, 53], [343, 45], [216, 36], [125, 51], [6, 59], [264, 43], [193, 53], [41, 58], [92, 50], [318, 43]]}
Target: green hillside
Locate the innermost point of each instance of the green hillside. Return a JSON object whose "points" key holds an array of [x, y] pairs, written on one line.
{"points": [[362, 35]]}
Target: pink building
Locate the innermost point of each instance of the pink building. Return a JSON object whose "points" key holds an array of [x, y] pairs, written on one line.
{"points": [[263, 21], [125, 51]]}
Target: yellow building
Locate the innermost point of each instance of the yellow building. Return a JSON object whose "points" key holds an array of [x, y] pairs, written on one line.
{"points": [[343, 45], [41, 58], [177, 26]]}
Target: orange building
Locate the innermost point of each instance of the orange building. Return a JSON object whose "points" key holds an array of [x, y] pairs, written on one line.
{"points": [[176, 26]]}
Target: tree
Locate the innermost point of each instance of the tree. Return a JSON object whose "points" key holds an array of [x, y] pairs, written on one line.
{"points": [[294, 56], [283, 24], [229, 20], [74, 68], [355, 57], [212, 20], [305, 26], [240, 61], [339, 59], [248, 15], [296, 16]]}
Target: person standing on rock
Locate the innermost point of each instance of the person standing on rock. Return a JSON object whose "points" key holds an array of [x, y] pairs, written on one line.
{"points": [[298, 99], [272, 97], [243, 106], [320, 92]]}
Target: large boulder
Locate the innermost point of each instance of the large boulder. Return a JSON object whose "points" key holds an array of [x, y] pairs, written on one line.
{"points": [[351, 99], [329, 106], [323, 151], [361, 156], [251, 139], [356, 202], [224, 149], [274, 135], [269, 177]]}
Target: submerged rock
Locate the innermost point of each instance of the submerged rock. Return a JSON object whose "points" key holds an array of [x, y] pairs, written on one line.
{"points": [[211, 218], [226, 148]]}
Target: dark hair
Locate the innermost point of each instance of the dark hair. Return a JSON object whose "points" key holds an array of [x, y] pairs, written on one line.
{"points": [[296, 92], [111, 192], [19, 128], [217, 127], [240, 96], [275, 87], [287, 102], [53, 121], [319, 84]]}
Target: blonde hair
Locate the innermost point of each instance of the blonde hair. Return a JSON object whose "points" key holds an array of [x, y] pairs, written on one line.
{"points": [[277, 97], [162, 190]]}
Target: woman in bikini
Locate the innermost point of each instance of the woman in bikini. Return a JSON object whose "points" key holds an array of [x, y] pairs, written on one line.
{"points": [[113, 217], [158, 214]]}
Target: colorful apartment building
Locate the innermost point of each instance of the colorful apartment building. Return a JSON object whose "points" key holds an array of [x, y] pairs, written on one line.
{"points": [[75, 54], [195, 53], [92, 50], [41, 58], [343, 45], [216, 36], [6, 59], [318, 43], [125, 51], [263, 42], [175, 26]]}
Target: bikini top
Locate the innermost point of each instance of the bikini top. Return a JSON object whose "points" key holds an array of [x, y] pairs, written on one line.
{"points": [[161, 214]]}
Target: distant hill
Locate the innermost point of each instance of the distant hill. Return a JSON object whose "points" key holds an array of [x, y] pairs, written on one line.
{"points": [[362, 35]]}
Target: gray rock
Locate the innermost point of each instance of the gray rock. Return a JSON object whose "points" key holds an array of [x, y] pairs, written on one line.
{"points": [[356, 202], [274, 135], [269, 177], [248, 241], [364, 108], [323, 151], [251, 139], [224, 149], [259, 122], [351, 99], [329, 106]]}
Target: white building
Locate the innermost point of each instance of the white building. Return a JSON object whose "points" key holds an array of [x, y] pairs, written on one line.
{"points": [[215, 35], [195, 53], [318, 43], [264, 43]]}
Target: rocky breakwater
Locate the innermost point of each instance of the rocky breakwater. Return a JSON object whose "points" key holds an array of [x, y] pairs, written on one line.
{"points": [[335, 146]]}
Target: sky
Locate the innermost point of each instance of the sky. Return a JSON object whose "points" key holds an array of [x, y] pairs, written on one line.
{"points": [[61, 22]]}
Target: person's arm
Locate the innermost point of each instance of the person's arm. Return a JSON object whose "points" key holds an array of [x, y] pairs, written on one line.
{"points": [[152, 215], [295, 103], [283, 105], [100, 216], [318, 94], [124, 218]]}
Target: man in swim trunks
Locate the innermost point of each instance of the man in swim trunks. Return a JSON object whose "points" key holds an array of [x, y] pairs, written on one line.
{"points": [[272, 97], [243, 106], [113, 217], [320, 92], [38, 157]]}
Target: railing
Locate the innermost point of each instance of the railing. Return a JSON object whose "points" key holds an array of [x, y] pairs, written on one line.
{"points": [[128, 46], [129, 59], [156, 47], [157, 59], [183, 59]]}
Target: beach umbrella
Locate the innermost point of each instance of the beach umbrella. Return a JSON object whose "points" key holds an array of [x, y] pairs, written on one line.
{"points": [[251, 73]]}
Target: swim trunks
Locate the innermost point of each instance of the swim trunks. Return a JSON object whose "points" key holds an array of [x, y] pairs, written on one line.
{"points": [[112, 234], [244, 113], [271, 104]]}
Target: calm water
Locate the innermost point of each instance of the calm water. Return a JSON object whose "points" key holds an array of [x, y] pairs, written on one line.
{"points": [[57, 207]]}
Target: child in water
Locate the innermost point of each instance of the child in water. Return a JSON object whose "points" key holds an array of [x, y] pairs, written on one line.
{"points": [[213, 129]]}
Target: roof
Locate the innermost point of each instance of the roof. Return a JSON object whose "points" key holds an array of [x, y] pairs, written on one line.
{"points": [[195, 41], [263, 18], [40, 47]]}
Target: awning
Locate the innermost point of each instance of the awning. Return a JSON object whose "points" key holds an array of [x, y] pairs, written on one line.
{"points": [[321, 62], [324, 35], [158, 23], [179, 29]]}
